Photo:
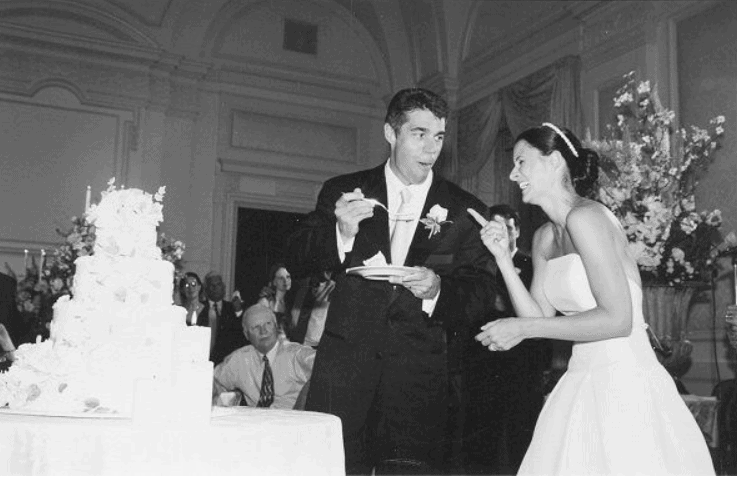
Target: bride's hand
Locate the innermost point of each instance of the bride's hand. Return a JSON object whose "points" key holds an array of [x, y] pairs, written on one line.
{"points": [[495, 236], [501, 334]]}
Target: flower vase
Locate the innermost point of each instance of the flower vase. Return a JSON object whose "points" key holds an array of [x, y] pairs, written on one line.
{"points": [[666, 312]]}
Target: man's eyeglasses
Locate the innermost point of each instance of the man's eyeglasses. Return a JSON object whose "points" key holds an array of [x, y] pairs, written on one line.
{"points": [[191, 284]]}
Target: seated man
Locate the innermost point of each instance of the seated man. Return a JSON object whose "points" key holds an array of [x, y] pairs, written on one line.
{"points": [[268, 373]]}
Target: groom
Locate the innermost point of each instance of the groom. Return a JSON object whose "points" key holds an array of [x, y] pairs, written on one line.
{"points": [[381, 366]]}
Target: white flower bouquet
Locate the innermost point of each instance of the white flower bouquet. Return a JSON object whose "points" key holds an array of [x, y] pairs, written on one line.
{"points": [[648, 178]]}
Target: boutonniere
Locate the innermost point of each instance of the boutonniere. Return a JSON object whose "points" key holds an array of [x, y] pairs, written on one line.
{"points": [[435, 218]]}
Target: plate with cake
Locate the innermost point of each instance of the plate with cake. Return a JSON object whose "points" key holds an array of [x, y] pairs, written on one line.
{"points": [[381, 272], [376, 268]]}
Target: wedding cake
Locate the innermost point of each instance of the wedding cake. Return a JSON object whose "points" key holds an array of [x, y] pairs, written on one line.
{"points": [[118, 346]]}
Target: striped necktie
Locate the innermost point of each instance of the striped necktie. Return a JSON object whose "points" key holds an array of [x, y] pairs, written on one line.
{"points": [[267, 386], [403, 231]]}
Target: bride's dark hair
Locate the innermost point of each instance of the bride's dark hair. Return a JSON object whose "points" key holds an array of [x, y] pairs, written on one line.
{"points": [[583, 165]]}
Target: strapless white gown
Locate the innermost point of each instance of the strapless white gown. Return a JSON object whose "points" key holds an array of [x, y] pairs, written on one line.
{"points": [[616, 411]]}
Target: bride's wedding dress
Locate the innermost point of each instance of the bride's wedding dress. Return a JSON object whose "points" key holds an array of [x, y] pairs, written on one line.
{"points": [[616, 410]]}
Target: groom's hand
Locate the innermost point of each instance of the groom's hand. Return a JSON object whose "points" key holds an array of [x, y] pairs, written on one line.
{"points": [[349, 211], [424, 284]]}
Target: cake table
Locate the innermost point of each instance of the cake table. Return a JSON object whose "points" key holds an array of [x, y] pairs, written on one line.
{"points": [[238, 441]]}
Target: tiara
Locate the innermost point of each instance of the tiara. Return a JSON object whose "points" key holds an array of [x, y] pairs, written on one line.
{"points": [[560, 133]]}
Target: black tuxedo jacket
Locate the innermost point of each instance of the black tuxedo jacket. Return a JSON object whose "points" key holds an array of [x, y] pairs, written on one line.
{"points": [[361, 309], [229, 335]]}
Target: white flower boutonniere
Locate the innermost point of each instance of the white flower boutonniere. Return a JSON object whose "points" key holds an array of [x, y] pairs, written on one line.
{"points": [[435, 218]]}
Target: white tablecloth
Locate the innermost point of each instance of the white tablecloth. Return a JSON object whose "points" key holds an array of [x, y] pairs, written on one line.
{"points": [[243, 441]]}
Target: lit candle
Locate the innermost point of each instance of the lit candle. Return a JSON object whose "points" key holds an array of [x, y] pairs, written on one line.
{"points": [[87, 199], [25, 261], [41, 263]]}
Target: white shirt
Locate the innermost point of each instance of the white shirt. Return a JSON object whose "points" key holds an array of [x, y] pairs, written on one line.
{"points": [[291, 365], [394, 186]]}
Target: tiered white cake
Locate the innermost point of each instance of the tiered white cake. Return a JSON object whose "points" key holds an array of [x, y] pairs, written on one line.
{"points": [[119, 346]]}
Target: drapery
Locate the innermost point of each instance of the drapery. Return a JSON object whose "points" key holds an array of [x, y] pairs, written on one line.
{"points": [[551, 94]]}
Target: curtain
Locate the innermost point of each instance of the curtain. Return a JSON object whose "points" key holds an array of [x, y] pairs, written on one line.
{"points": [[551, 94]]}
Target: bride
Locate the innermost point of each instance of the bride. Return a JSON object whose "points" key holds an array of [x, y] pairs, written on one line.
{"points": [[616, 410]]}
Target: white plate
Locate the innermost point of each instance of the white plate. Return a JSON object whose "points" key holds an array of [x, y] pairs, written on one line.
{"points": [[52, 413], [381, 272]]}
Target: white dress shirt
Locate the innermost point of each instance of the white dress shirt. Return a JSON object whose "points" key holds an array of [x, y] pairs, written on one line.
{"points": [[291, 365]]}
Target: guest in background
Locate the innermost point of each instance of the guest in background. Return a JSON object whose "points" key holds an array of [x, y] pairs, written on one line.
{"points": [[503, 391], [237, 302], [310, 309], [9, 314], [267, 297], [7, 349], [219, 315], [269, 373], [281, 281], [191, 296], [275, 295]]}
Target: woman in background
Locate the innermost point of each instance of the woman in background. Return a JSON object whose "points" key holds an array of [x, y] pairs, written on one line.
{"points": [[275, 296], [190, 293], [615, 410]]}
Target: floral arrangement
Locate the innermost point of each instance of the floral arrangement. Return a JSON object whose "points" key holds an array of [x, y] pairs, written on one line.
{"points": [[648, 176], [172, 251]]}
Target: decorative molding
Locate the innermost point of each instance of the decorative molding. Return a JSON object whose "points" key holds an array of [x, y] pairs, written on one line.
{"points": [[16, 247], [612, 21], [154, 19], [127, 120], [298, 137], [62, 44], [296, 81], [514, 66], [266, 168]]}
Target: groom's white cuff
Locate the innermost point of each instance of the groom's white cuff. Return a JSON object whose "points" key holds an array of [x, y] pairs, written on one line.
{"points": [[428, 305], [343, 247]]}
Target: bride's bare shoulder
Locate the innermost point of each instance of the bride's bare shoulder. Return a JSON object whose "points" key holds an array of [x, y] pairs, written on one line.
{"points": [[589, 213], [543, 241]]}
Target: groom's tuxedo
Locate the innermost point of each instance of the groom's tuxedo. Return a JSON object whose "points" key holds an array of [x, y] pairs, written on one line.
{"points": [[381, 366]]}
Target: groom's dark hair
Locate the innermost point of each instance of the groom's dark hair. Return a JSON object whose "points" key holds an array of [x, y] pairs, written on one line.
{"points": [[411, 99]]}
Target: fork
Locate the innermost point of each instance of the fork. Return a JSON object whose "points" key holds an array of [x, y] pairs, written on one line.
{"points": [[376, 202], [392, 216]]}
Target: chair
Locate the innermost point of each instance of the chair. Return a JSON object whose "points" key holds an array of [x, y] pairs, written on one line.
{"points": [[726, 453]]}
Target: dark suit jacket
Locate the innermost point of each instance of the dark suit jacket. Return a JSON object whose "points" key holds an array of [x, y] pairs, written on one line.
{"points": [[229, 335], [361, 309]]}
